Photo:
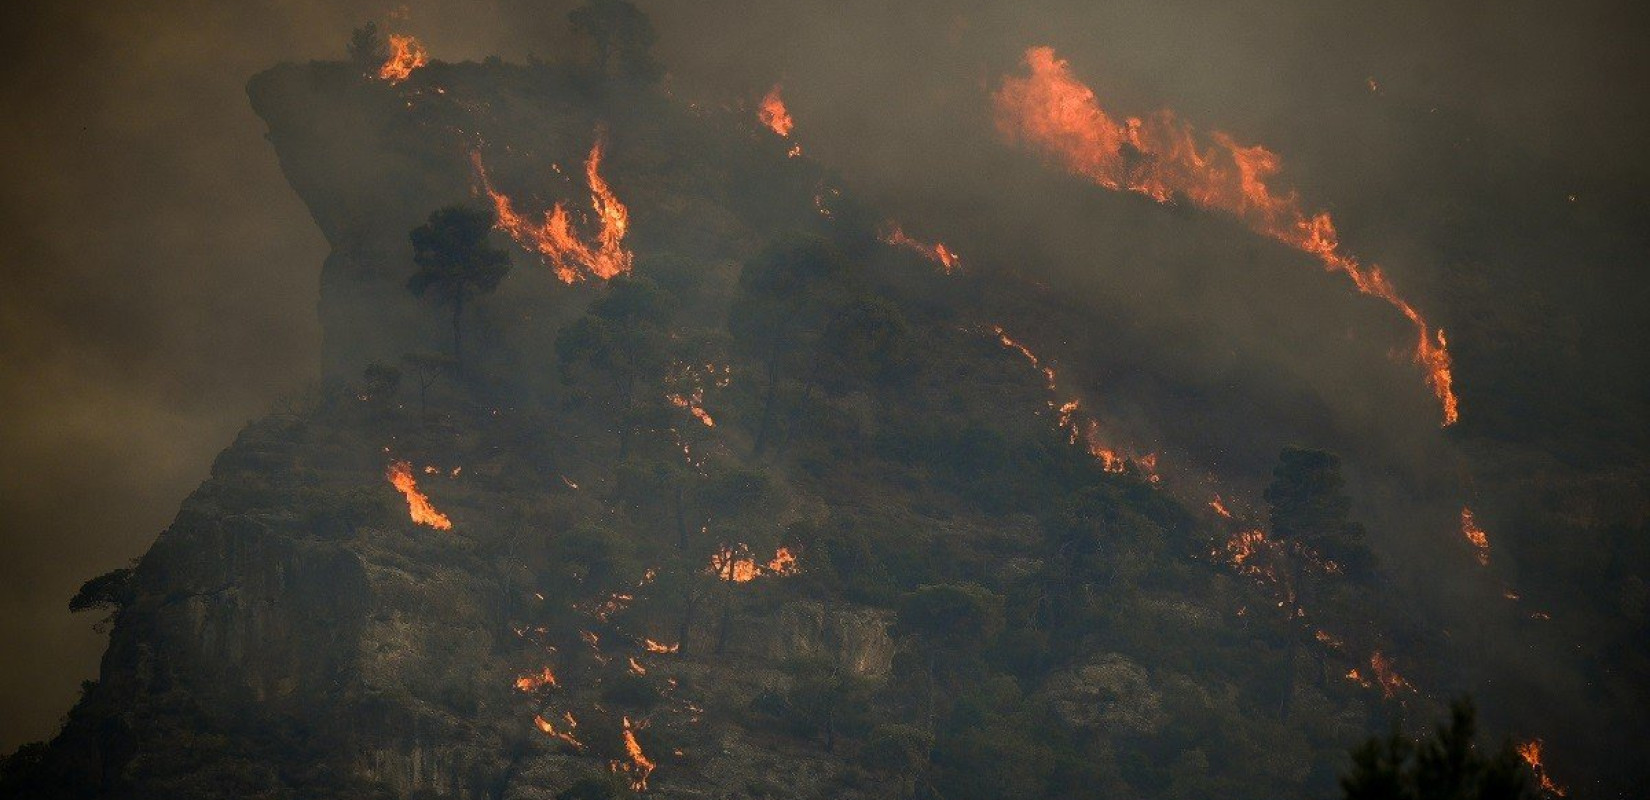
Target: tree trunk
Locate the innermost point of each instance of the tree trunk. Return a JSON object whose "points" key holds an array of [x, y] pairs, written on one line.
{"points": [[767, 405], [458, 338]]}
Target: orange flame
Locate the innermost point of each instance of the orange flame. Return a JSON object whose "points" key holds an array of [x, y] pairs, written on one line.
{"points": [[569, 256], [549, 729], [636, 666], [533, 681], [406, 55], [1078, 427], [659, 647], [1390, 681], [400, 475], [1475, 536], [936, 252], [1530, 751], [1162, 158], [1219, 507], [736, 564], [772, 113], [639, 766]]}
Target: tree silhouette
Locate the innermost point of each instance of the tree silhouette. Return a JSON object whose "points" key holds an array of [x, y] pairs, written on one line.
{"points": [[1309, 510], [623, 37], [455, 262], [1445, 766]]}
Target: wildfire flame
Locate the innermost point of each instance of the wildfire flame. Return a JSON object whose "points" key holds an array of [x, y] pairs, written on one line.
{"points": [[549, 729], [569, 256], [1079, 428], [1530, 751], [936, 252], [773, 114], [534, 681], [1475, 536], [639, 767], [400, 475], [406, 55], [1163, 158], [736, 564], [659, 647]]}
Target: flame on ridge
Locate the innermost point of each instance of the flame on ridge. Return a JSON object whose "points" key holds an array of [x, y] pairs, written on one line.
{"points": [[773, 114], [936, 252], [400, 475], [406, 54], [571, 257], [1163, 158]]}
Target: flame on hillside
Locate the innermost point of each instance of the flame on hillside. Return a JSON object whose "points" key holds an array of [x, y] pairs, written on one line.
{"points": [[637, 767], [568, 254], [406, 54], [549, 728], [1165, 159], [534, 681], [936, 252], [1475, 536], [1530, 751], [736, 564], [1080, 427], [659, 647], [400, 475], [773, 114]]}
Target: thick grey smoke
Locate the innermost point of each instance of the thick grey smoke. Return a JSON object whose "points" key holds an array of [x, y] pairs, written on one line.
{"points": [[161, 277]]}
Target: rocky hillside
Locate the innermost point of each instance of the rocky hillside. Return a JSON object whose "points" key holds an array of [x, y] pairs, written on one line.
{"points": [[784, 510]]}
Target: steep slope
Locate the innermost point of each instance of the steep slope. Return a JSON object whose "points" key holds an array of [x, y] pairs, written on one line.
{"points": [[783, 514]]}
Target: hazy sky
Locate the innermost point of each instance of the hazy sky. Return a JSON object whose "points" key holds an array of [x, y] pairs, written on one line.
{"points": [[158, 277]]}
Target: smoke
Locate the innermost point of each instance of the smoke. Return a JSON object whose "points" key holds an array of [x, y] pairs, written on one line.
{"points": [[161, 276]]}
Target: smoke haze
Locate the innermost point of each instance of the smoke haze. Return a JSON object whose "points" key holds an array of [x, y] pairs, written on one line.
{"points": [[161, 275]]}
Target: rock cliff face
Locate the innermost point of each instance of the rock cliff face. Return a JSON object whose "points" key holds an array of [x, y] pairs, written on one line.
{"points": [[976, 608]]}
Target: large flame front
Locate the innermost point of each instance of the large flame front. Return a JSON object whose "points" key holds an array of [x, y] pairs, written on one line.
{"points": [[400, 475], [406, 55], [773, 114], [736, 564], [1163, 158], [568, 255]]}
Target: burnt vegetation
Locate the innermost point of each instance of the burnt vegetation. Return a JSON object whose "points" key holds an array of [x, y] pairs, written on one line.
{"points": [[773, 514]]}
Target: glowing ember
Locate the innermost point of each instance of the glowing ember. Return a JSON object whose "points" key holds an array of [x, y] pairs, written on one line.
{"points": [[534, 681], [1219, 507], [569, 256], [1165, 159], [736, 564], [1530, 751], [638, 767], [406, 55], [1475, 536], [418, 506], [936, 252], [772, 113], [694, 403]]}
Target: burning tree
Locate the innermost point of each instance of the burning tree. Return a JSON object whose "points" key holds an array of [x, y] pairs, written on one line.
{"points": [[455, 262]]}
